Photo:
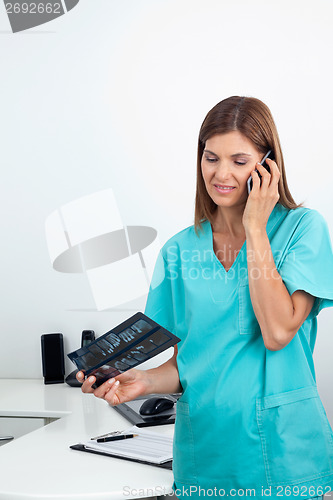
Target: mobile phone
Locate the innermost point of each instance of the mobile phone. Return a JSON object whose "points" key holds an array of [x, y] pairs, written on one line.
{"points": [[264, 164]]}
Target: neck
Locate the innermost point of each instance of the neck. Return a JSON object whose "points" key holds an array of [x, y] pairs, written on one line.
{"points": [[228, 220]]}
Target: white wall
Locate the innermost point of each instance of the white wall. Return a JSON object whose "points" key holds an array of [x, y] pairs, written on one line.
{"points": [[112, 95]]}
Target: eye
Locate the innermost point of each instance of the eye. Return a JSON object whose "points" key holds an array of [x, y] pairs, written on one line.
{"points": [[210, 159], [240, 163]]}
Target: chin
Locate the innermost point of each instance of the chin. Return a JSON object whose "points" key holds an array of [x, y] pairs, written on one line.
{"points": [[232, 201], [224, 199]]}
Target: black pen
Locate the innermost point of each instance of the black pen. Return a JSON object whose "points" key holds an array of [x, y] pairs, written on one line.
{"points": [[116, 438]]}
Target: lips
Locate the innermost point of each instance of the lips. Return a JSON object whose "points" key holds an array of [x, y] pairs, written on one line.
{"points": [[224, 188]]}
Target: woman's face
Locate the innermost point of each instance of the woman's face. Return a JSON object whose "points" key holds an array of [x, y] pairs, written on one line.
{"points": [[226, 164]]}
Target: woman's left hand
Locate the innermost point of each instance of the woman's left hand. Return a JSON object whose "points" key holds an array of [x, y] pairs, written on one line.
{"points": [[262, 198]]}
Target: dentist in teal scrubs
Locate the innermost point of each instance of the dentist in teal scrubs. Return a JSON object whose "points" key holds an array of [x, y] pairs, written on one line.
{"points": [[242, 288]]}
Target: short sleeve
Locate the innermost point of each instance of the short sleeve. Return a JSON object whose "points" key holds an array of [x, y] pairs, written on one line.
{"points": [[308, 263], [159, 305]]}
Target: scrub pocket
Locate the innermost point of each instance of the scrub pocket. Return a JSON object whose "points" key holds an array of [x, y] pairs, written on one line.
{"points": [[184, 469], [248, 324], [296, 436]]}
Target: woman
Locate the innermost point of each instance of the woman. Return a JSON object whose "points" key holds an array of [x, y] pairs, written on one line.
{"points": [[242, 289]]}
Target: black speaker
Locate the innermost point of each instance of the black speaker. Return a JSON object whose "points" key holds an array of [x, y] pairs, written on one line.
{"points": [[53, 358]]}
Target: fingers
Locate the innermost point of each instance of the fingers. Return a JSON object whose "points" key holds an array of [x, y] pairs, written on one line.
{"points": [[268, 179], [103, 389], [80, 376], [107, 391], [129, 383], [111, 396], [86, 384], [265, 176], [255, 180], [275, 172]]}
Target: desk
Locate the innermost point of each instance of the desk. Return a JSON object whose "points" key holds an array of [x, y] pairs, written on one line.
{"points": [[41, 465]]}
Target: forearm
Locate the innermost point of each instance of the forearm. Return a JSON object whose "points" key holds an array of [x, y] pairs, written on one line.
{"points": [[164, 379], [270, 298]]}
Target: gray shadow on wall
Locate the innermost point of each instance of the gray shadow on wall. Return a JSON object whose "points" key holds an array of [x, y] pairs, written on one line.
{"points": [[104, 249], [87, 235]]}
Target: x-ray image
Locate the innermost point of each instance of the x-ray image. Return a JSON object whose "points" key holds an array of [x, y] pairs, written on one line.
{"points": [[134, 341]]}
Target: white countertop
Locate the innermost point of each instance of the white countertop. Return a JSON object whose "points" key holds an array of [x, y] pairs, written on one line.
{"points": [[40, 464]]}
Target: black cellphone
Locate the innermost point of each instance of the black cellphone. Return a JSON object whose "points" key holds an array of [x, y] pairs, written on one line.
{"points": [[264, 164]]}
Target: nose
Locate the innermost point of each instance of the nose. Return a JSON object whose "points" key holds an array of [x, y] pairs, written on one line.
{"points": [[223, 171]]}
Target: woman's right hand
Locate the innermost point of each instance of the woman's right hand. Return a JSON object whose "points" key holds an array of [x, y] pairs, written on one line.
{"points": [[124, 387], [163, 379]]}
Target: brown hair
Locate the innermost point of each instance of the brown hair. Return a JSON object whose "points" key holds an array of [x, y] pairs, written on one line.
{"points": [[253, 119]]}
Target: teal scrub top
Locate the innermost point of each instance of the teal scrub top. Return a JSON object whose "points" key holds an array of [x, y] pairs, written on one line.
{"points": [[249, 419]]}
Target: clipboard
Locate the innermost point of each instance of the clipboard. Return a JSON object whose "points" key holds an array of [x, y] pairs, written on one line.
{"points": [[81, 447], [147, 447]]}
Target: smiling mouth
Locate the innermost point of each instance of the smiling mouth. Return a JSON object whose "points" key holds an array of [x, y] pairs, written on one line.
{"points": [[223, 188]]}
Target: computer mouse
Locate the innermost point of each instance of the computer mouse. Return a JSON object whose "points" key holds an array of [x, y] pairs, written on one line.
{"points": [[153, 406]]}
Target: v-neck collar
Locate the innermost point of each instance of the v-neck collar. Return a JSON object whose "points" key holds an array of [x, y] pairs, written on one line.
{"points": [[219, 263], [275, 216]]}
